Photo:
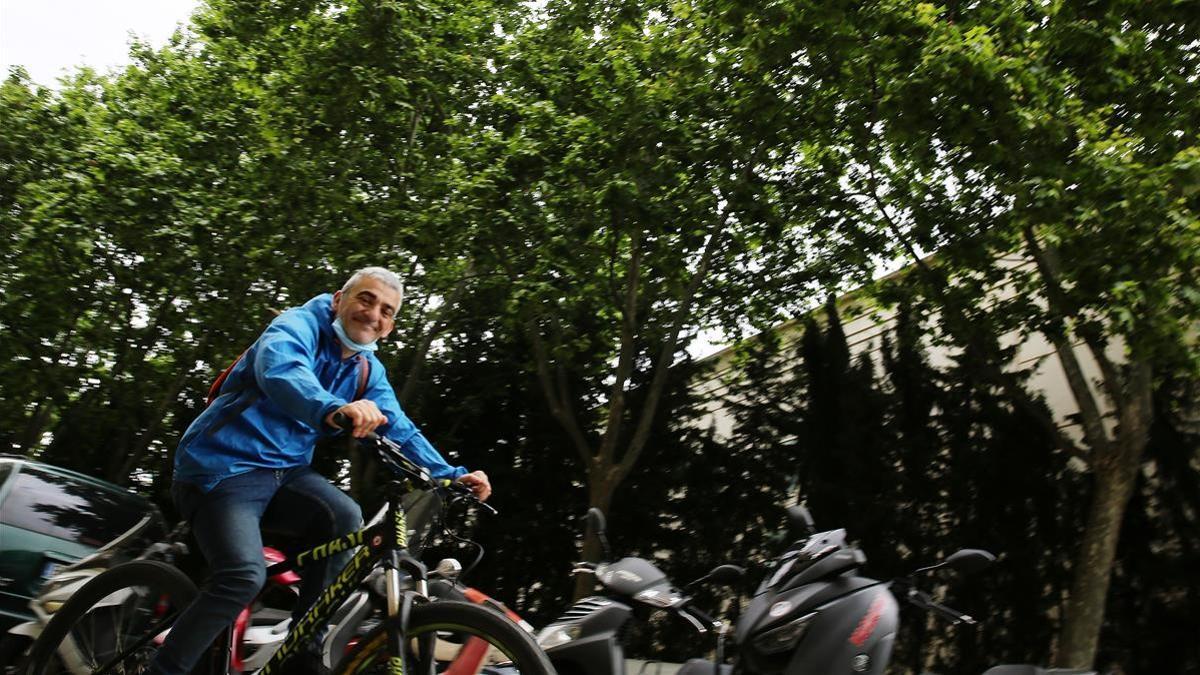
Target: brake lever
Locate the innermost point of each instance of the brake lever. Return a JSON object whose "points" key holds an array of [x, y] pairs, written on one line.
{"points": [[924, 601], [953, 615], [459, 492]]}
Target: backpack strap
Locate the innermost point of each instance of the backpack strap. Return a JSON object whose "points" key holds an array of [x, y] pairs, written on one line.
{"points": [[364, 374], [215, 390]]}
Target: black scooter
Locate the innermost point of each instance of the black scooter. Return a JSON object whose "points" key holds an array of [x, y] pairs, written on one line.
{"points": [[814, 613], [585, 640]]}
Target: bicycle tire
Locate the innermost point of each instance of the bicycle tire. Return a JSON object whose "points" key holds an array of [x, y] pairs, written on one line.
{"points": [[13, 648], [451, 622], [99, 631]]}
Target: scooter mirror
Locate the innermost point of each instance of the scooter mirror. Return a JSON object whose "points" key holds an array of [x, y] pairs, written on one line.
{"points": [[726, 574], [969, 560], [801, 520], [595, 519]]}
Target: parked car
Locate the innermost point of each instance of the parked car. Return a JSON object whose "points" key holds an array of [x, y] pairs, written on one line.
{"points": [[51, 517]]}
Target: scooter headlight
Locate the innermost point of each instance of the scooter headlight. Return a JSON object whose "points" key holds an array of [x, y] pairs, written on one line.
{"points": [[656, 597], [558, 634], [784, 637]]}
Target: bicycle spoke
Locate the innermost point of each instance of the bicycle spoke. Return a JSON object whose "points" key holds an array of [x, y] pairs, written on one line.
{"points": [[123, 652], [452, 638]]}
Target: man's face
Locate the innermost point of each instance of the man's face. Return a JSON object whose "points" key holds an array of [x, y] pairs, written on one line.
{"points": [[368, 310]]}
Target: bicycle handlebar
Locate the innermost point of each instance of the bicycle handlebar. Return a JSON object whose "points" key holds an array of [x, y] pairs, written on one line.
{"points": [[342, 421], [393, 457]]}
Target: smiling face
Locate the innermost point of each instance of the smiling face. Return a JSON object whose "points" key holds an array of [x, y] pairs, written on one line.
{"points": [[367, 310]]}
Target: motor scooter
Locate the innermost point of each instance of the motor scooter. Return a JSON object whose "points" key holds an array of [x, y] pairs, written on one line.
{"points": [[815, 613], [586, 638], [257, 632], [67, 580]]}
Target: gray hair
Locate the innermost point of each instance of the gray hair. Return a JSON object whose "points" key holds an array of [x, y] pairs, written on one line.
{"points": [[382, 274]]}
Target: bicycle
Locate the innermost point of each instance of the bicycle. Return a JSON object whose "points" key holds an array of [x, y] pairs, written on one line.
{"points": [[116, 622]]}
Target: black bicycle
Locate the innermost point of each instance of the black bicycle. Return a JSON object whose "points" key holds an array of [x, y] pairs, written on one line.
{"points": [[116, 622]]}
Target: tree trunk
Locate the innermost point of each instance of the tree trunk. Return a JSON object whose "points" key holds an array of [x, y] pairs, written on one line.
{"points": [[1114, 480]]}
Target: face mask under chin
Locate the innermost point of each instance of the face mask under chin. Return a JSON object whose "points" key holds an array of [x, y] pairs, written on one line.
{"points": [[340, 330]]}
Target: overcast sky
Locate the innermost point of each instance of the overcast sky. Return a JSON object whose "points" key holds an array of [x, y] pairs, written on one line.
{"points": [[51, 37]]}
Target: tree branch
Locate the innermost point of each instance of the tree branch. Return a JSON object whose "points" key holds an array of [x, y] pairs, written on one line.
{"points": [[956, 322], [402, 174], [1139, 410], [1089, 411], [627, 350], [1046, 258], [556, 397], [439, 323], [560, 408], [670, 345]]}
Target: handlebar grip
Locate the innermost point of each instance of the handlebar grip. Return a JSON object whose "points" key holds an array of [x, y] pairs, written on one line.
{"points": [[455, 486], [342, 421], [955, 616]]}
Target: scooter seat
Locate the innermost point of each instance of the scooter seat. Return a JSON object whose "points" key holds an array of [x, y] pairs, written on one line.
{"points": [[1034, 670]]}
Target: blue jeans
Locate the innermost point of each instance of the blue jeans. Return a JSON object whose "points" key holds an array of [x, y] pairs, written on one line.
{"points": [[227, 522]]}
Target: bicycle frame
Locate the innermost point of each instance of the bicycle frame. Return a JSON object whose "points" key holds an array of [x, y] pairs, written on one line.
{"points": [[385, 542]]}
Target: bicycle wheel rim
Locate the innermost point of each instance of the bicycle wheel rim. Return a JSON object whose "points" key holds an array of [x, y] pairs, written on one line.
{"points": [[462, 639], [120, 613], [130, 628]]}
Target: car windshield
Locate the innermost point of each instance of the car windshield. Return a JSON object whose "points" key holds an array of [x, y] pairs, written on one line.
{"points": [[62, 507]]}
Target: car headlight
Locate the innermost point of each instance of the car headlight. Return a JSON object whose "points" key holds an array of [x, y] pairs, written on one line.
{"points": [[784, 637], [555, 635]]}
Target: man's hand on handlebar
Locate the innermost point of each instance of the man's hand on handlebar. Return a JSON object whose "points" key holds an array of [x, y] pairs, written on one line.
{"points": [[479, 484], [363, 415]]}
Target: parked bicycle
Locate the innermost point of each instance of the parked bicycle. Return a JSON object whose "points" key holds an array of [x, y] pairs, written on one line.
{"points": [[93, 634], [133, 544]]}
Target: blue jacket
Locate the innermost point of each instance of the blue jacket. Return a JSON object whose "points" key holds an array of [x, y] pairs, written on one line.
{"points": [[272, 406]]}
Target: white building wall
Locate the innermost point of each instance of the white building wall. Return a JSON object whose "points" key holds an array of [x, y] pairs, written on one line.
{"points": [[864, 329]]}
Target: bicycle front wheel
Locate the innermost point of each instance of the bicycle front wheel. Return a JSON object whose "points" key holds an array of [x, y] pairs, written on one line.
{"points": [[450, 638], [114, 623]]}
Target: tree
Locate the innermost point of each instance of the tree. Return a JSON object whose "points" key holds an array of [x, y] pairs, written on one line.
{"points": [[617, 197], [236, 171], [903, 455], [43, 134], [1063, 135]]}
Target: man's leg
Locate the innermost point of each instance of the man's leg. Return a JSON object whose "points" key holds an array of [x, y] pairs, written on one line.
{"points": [[225, 522], [310, 509]]}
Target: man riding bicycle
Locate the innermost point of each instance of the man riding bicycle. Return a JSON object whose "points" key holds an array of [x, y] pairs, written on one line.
{"points": [[243, 464]]}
